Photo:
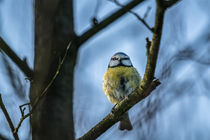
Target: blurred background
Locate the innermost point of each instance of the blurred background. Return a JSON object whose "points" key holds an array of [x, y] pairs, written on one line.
{"points": [[177, 109]]}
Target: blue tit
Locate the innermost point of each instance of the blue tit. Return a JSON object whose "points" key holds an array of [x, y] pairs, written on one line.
{"points": [[120, 79]]}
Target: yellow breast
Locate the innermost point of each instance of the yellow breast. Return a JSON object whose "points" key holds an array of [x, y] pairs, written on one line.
{"points": [[119, 82]]}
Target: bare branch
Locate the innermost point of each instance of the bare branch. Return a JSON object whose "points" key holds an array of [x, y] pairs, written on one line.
{"points": [[91, 32], [23, 109], [15, 135], [53, 79], [135, 14], [21, 121], [13, 56], [154, 48], [119, 110]]}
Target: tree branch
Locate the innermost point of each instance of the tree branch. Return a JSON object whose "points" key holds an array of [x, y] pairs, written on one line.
{"points": [[144, 89], [135, 14], [95, 29], [15, 135], [119, 110], [13, 56], [154, 49]]}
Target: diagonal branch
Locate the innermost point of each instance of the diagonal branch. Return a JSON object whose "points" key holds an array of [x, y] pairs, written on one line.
{"points": [[8, 118], [91, 32], [119, 110], [144, 89], [13, 56], [135, 14]]}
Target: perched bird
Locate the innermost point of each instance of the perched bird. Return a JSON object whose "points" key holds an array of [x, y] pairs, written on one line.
{"points": [[120, 79]]}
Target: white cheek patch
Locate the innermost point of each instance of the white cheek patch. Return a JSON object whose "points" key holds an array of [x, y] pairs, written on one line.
{"points": [[114, 63], [126, 62]]}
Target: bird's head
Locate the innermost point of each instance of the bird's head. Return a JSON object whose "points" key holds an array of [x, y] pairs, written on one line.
{"points": [[120, 59]]}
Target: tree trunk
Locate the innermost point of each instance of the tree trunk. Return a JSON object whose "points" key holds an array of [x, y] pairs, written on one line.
{"points": [[53, 117]]}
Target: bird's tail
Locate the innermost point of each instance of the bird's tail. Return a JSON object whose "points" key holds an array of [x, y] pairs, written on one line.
{"points": [[125, 122]]}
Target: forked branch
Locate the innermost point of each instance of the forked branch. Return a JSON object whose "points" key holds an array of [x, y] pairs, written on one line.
{"points": [[6, 114]]}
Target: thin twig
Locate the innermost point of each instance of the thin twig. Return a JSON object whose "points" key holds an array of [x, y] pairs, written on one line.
{"points": [[21, 121], [15, 135], [135, 14], [35, 103], [23, 109], [13, 56], [53, 79], [147, 12]]}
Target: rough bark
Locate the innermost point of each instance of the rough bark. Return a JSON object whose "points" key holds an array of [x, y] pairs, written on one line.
{"points": [[53, 117]]}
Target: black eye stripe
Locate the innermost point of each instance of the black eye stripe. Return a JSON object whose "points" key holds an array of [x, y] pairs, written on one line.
{"points": [[124, 58]]}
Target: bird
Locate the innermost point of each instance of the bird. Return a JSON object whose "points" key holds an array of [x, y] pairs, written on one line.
{"points": [[120, 79]]}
